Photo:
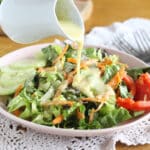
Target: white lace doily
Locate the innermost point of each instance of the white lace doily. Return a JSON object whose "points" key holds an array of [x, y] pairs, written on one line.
{"points": [[15, 137]]}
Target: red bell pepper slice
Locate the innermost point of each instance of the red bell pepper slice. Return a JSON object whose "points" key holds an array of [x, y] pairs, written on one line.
{"points": [[130, 84], [143, 87], [132, 105]]}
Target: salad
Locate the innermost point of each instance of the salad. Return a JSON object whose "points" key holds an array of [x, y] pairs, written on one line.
{"points": [[47, 90]]}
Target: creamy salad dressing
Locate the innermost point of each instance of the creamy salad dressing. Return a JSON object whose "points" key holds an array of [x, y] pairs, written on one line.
{"points": [[77, 34]]}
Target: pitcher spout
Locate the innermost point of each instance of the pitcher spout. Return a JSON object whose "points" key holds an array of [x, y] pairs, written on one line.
{"points": [[66, 11]]}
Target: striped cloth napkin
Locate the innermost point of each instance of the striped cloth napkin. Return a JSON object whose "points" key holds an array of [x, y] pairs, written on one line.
{"points": [[131, 36]]}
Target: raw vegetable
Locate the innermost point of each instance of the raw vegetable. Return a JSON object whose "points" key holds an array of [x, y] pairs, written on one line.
{"points": [[132, 105], [47, 90], [10, 79], [130, 84], [142, 85]]}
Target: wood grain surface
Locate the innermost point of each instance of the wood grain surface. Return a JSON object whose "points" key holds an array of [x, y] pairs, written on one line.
{"points": [[104, 13]]}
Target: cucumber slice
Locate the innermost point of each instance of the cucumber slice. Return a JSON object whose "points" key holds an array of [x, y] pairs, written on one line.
{"points": [[29, 63], [7, 90], [10, 79], [17, 73]]}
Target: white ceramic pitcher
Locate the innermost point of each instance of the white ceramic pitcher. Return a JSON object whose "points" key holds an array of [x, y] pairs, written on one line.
{"points": [[27, 21]]}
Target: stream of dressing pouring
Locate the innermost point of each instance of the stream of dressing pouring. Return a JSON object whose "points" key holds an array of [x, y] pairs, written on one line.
{"points": [[28, 21]]}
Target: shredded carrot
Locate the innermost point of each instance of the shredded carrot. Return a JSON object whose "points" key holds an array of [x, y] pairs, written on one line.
{"points": [[41, 69], [102, 65], [91, 99], [105, 62], [61, 55], [72, 60], [98, 99], [58, 120], [114, 82], [59, 102], [84, 64], [93, 111], [80, 115], [91, 115], [70, 76], [61, 88], [65, 75], [18, 90], [16, 112], [100, 106]]}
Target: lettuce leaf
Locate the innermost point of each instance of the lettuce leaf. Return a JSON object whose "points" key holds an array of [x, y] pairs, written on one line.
{"points": [[39, 119], [95, 124], [110, 71], [21, 101], [71, 52], [71, 110], [93, 53], [113, 116], [136, 72], [124, 91], [49, 79], [51, 53], [68, 67]]}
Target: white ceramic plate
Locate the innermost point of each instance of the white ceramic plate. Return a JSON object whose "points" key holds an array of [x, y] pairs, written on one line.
{"points": [[29, 52]]}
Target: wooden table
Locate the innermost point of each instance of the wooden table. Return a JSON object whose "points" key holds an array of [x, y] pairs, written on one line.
{"points": [[105, 12]]}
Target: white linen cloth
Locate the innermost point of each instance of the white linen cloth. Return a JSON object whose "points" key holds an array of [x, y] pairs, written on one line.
{"points": [[132, 36]]}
